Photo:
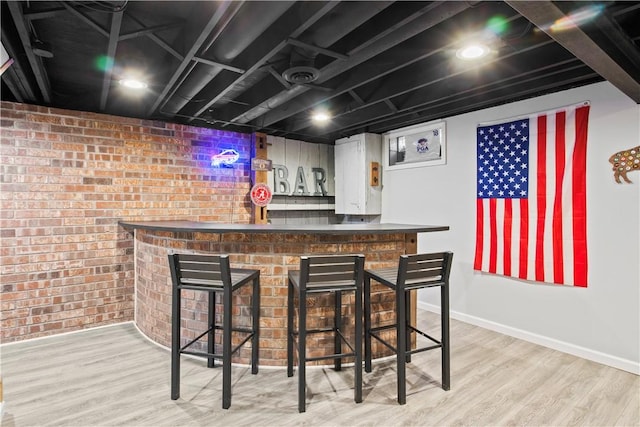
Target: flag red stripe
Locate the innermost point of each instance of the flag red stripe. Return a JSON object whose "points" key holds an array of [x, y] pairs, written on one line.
{"points": [[508, 219], [477, 263], [493, 236], [524, 238], [556, 226], [580, 198], [541, 178]]}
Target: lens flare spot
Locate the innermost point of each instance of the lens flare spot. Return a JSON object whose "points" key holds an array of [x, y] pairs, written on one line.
{"points": [[579, 17], [497, 24], [104, 63]]}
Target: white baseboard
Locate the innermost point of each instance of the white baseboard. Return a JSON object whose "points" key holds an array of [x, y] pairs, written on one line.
{"points": [[59, 334], [585, 353]]}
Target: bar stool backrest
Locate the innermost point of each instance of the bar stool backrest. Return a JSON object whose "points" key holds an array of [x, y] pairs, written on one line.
{"points": [[193, 271], [212, 274], [333, 271], [424, 270]]}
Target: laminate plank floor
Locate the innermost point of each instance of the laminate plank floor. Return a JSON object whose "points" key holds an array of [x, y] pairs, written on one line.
{"points": [[113, 376]]}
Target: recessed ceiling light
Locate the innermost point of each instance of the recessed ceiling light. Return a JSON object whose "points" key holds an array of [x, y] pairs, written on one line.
{"points": [[321, 117], [473, 51], [133, 84]]}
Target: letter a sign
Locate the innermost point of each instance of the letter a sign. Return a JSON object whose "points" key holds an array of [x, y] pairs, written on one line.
{"points": [[261, 194]]}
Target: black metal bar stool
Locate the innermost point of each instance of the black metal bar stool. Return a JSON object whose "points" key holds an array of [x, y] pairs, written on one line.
{"points": [[325, 274], [212, 274], [413, 272]]}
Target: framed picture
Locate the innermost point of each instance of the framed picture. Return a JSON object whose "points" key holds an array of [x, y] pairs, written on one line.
{"points": [[416, 146]]}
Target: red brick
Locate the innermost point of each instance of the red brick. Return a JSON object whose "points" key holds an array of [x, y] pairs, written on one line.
{"points": [[68, 178]]}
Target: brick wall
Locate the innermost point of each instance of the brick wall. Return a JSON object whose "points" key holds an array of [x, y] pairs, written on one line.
{"points": [[67, 178]]}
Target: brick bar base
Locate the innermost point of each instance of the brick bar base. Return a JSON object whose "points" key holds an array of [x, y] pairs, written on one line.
{"points": [[274, 255]]}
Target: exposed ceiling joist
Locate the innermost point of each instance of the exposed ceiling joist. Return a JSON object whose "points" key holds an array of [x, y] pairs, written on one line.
{"points": [[87, 20], [613, 31], [15, 78], [276, 75], [498, 90], [32, 16], [323, 9], [149, 30], [420, 48], [114, 34], [36, 62], [193, 51], [374, 65], [356, 97], [166, 46], [576, 41], [317, 49], [427, 17], [417, 85], [219, 65]]}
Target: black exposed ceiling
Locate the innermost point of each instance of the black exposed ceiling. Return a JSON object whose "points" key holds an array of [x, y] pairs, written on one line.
{"points": [[376, 66]]}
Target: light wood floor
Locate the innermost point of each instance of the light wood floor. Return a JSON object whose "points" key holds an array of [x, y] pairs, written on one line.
{"points": [[114, 376]]}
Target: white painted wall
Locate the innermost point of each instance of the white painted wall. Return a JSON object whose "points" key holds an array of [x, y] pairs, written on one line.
{"points": [[601, 322]]}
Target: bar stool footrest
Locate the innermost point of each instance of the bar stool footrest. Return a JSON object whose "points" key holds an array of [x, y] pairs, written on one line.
{"points": [[372, 333], [331, 356], [243, 330], [214, 355], [336, 331]]}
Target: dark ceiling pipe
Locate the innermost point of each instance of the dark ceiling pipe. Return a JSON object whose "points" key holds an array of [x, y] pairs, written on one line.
{"points": [[245, 27]]}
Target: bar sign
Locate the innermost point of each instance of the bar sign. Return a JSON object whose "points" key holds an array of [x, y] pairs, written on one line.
{"points": [[260, 164]]}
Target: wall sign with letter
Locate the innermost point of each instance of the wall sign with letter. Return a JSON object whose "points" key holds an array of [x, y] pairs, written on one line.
{"points": [[301, 168], [261, 194], [261, 165]]}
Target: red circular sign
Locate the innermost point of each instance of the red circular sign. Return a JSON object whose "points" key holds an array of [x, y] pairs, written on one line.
{"points": [[261, 195]]}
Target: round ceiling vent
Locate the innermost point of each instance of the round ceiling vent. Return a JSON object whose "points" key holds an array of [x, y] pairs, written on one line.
{"points": [[301, 74]]}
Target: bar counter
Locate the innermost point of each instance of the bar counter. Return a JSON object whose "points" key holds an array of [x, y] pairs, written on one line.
{"points": [[273, 249]]}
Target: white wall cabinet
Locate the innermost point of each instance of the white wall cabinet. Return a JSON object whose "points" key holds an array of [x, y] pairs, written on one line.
{"points": [[355, 194]]}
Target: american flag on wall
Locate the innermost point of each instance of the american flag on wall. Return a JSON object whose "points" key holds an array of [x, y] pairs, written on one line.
{"points": [[531, 220]]}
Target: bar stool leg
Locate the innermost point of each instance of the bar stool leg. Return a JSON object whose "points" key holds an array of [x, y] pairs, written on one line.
{"points": [[302, 351], [255, 341], [211, 336], [358, 346], [175, 344], [367, 324], [290, 313], [444, 313], [226, 349], [337, 326], [401, 345], [407, 320]]}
